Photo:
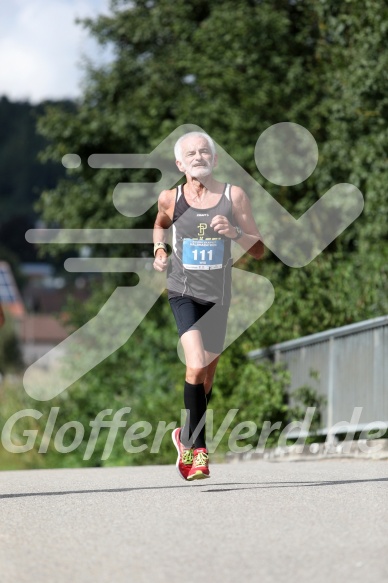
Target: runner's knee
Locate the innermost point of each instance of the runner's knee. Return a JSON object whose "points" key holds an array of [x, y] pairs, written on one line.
{"points": [[195, 376]]}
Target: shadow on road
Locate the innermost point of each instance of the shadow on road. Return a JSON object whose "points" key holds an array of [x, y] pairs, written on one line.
{"points": [[245, 486], [297, 484]]}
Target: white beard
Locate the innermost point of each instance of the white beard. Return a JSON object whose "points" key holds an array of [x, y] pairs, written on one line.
{"points": [[199, 171]]}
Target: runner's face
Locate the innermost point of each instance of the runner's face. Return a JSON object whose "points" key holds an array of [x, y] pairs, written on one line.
{"points": [[197, 158]]}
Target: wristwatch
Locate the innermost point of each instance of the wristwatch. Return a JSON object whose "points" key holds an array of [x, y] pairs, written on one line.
{"points": [[239, 233]]}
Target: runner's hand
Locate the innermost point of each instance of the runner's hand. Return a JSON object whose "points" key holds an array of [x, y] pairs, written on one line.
{"points": [[161, 260], [222, 226]]}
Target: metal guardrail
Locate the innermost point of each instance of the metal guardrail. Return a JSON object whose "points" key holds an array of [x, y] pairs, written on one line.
{"points": [[348, 365]]}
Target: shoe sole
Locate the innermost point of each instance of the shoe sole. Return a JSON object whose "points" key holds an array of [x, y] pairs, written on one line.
{"points": [[179, 453], [198, 476]]}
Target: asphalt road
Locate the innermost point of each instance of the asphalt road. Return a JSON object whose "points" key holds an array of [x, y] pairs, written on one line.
{"points": [[319, 521]]}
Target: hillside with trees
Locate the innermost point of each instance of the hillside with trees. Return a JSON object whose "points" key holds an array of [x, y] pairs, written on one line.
{"points": [[22, 175]]}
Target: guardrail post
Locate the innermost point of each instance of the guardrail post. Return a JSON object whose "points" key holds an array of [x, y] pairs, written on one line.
{"points": [[330, 388]]}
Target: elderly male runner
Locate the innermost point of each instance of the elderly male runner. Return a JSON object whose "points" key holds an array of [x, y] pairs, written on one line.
{"points": [[206, 215]]}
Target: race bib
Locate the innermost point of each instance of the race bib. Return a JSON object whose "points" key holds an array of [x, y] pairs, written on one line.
{"points": [[203, 253]]}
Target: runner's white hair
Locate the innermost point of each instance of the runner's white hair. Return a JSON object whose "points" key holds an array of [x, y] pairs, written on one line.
{"points": [[178, 145]]}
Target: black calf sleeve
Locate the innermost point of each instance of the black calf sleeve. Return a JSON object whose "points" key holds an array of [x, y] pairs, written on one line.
{"points": [[195, 403]]}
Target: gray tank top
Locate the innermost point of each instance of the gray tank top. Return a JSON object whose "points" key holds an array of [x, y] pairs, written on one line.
{"points": [[200, 264]]}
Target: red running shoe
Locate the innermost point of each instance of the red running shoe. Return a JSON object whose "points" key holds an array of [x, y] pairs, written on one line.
{"points": [[200, 467], [185, 455]]}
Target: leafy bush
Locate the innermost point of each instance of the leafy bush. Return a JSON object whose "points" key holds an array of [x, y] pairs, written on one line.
{"points": [[10, 353]]}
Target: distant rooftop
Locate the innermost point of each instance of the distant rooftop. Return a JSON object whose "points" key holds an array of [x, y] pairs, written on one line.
{"points": [[42, 328], [43, 269], [9, 292]]}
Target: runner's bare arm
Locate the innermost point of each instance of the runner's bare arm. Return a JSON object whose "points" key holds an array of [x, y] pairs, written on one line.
{"points": [[251, 239], [163, 221]]}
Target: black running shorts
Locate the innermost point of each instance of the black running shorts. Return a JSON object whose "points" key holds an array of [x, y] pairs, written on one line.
{"points": [[189, 316]]}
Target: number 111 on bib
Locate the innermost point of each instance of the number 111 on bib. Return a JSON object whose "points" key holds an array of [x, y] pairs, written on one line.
{"points": [[203, 254]]}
